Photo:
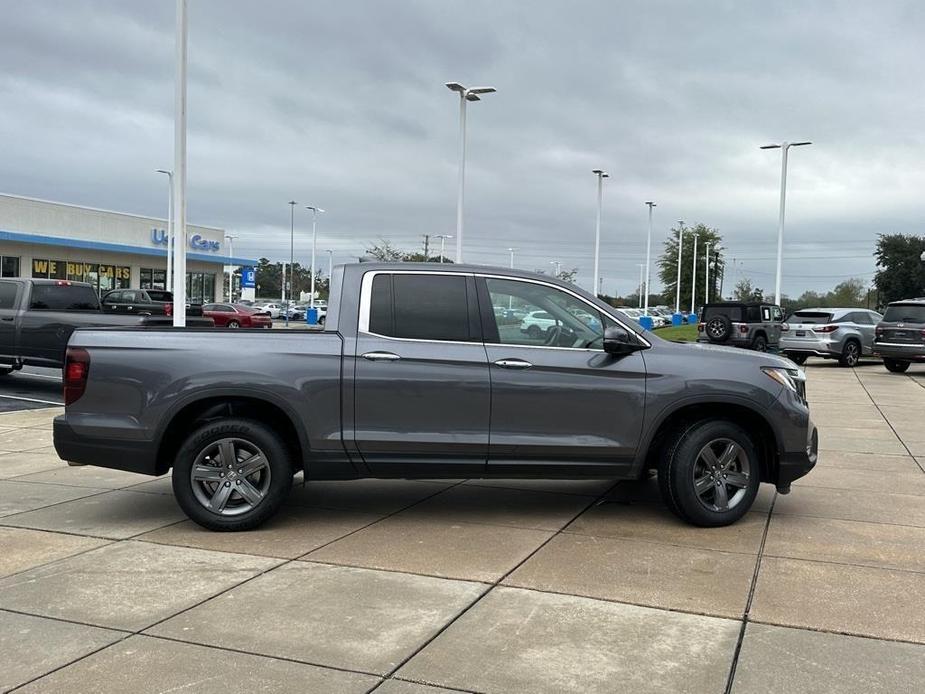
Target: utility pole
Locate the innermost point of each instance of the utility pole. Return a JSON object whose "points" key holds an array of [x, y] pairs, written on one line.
{"points": [[426, 247]]}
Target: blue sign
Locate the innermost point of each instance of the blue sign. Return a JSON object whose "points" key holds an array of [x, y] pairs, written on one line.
{"points": [[198, 243], [248, 278]]}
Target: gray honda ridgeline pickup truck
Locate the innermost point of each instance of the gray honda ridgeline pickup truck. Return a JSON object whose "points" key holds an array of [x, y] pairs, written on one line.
{"points": [[416, 375]]}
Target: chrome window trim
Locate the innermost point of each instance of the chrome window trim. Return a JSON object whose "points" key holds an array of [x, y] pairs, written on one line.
{"points": [[366, 299]]}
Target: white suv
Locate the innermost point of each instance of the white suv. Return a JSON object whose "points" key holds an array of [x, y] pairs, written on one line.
{"points": [[536, 323]]}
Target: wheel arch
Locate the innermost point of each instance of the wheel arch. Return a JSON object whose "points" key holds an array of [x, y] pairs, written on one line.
{"points": [[185, 417], [685, 414]]}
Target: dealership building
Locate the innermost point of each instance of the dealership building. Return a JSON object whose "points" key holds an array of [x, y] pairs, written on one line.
{"points": [[110, 250]]}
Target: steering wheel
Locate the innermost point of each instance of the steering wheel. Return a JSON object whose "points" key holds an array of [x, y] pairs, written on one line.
{"points": [[552, 336]]}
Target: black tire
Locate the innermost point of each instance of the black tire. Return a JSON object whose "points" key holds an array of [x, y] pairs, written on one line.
{"points": [[233, 324], [6, 370], [534, 331], [321, 320], [851, 354], [718, 329], [244, 515], [895, 366], [798, 359], [682, 459], [760, 343]]}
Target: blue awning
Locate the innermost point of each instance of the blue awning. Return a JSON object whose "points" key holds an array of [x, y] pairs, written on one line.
{"points": [[38, 239]]}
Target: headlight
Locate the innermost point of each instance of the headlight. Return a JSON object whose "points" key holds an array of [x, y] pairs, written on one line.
{"points": [[789, 378]]}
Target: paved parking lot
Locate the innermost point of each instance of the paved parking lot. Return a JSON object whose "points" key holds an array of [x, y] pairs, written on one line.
{"points": [[505, 586]]}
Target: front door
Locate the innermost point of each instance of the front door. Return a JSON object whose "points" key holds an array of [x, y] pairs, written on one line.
{"points": [[422, 390], [560, 404]]}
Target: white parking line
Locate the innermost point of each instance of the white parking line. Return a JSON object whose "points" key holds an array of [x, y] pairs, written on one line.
{"points": [[44, 402]]}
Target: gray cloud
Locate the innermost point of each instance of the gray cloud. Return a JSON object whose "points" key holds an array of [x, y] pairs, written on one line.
{"points": [[341, 104]]}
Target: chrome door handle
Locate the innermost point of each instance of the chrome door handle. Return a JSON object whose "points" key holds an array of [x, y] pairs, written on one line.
{"points": [[381, 356], [513, 364]]}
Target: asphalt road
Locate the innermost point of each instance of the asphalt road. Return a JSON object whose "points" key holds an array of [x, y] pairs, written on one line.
{"points": [[30, 389]]}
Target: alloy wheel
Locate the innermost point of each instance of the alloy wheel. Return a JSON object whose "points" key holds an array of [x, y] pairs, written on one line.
{"points": [[721, 474], [230, 476], [852, 355]]}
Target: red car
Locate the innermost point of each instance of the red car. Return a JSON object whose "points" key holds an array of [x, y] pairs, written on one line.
{"points": [[237, 316]]}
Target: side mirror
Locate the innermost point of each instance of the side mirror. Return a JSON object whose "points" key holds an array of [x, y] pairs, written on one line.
{"points": [[619, 342]]}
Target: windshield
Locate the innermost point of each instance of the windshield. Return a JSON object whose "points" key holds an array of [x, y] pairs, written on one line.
{"points": [[733, 313], [908, 313], [809, 317]]}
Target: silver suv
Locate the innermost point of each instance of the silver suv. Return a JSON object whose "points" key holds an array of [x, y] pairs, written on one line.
{"points": [[845, 334]]}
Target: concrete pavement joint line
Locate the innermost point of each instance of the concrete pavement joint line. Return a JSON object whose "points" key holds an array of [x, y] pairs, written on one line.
{"points": [[202, 602], [889, 423], [748, 602], [493, 585], [663, 544], [65, 620], [109, 541], [856, 635]]}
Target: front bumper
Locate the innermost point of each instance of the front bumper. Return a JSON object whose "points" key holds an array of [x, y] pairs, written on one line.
{"points": [[899, 351], [102, 451], [795, 464]]}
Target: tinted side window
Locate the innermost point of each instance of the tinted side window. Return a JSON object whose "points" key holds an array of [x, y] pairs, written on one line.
{"points": [[113, 298], [424, 307], [159, 295], [380, 306], [52, 297], [8, 294]]}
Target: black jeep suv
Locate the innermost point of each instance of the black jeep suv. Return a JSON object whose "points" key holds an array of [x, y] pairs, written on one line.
{"points": [[900, 337]]}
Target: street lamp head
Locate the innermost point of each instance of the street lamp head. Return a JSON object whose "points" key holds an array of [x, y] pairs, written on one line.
{"points": [[769, 147], [164, 171], [313, 208], [293, 202], [601, 173], [799, 144], [650, 203], [472, 97], [455, 86], [482, 90]]}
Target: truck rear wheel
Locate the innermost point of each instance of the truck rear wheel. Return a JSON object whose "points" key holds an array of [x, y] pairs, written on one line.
{"points": [[895, 366], [232, 474], [709, 473]]}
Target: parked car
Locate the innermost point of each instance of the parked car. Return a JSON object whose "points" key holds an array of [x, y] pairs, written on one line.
{"points": [[37, 317], [845, 334], [144, 302], [900, 336], [273, 309], [537, 323], [414, 377], [752, 325], [237, 316]]}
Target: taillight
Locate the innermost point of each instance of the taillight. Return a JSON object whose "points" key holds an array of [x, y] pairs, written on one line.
{"points": [[168, 309], [700, 327], [76, 370], [785, 327], [878, 331], [743, 329], [826, 329]]}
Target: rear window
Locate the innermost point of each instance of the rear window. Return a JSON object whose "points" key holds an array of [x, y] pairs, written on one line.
{"points": [[421, 307], [909, 313], [8, 294], [809, 317], [159, 295], [734, 313], [53, 297]]}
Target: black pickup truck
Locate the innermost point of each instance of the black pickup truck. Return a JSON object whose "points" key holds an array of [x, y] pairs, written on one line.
{"points": [[38, 316]]}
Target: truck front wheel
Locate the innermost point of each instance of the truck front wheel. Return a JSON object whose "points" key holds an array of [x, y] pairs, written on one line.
{"points": [[232, 474], [709, 473]]}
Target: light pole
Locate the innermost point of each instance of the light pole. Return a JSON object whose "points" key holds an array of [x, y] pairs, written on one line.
{"points": [[511, 251], [677, 296], [558, 266], [315, 211], [168, 284], [287, 286], [706, 273], [443, 238], [230, 267], [641, 280], [601, 175], [465, 94], [179, 167], [645, 309], [783, 147], [694, 277], [330, 269]]}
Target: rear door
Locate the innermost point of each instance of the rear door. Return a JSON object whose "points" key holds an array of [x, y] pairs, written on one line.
{"points": [[421, 383], [113, 302]]}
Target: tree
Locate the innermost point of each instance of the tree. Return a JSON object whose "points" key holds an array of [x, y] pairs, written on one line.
{"points": [[668, 264], [384, 251], [744, 291], [269, 279], [901, 273]]}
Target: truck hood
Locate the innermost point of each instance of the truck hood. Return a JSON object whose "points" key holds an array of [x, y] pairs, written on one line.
{"points": [[743, 355]]}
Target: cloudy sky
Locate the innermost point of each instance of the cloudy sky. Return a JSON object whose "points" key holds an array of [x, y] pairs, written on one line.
{"points": [[341, 104]]}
